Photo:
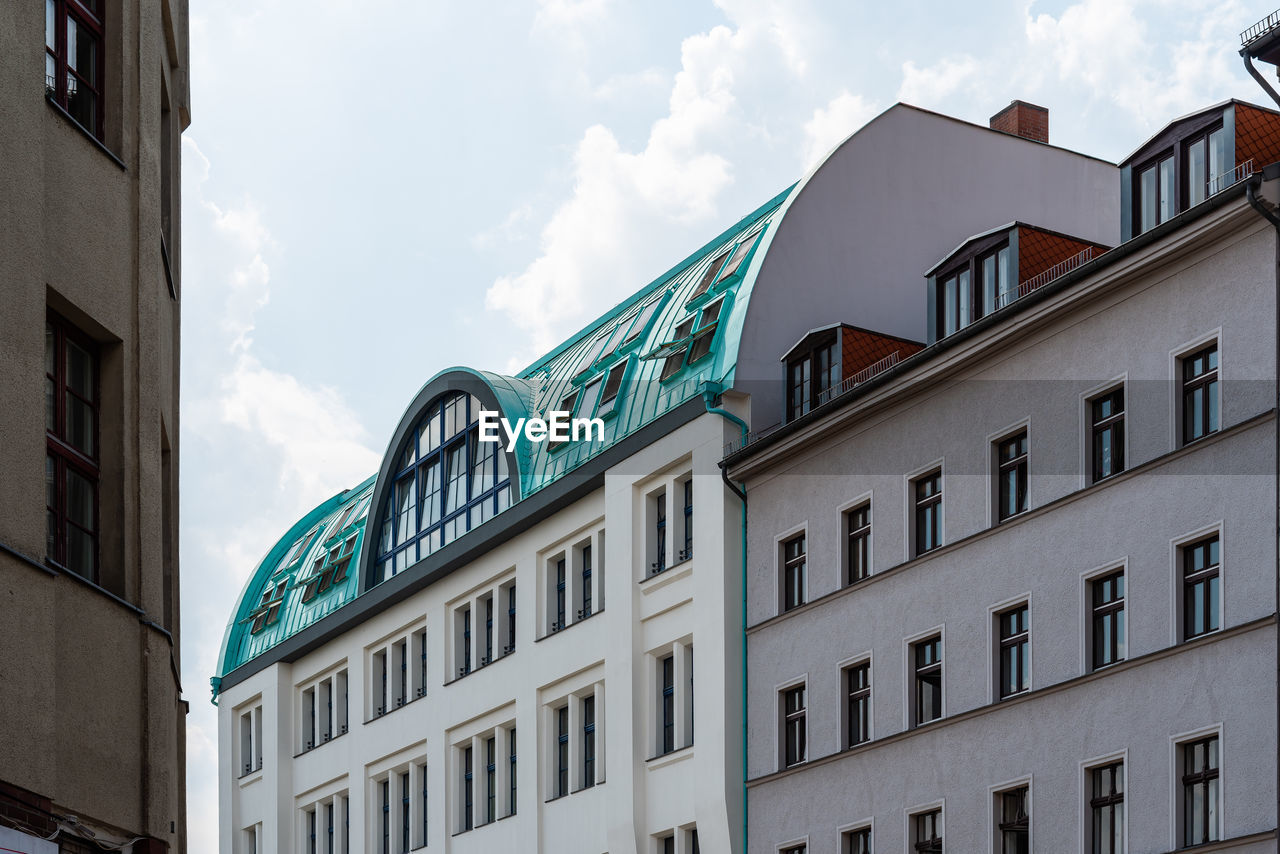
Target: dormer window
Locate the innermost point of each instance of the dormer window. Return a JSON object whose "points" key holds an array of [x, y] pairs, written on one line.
{"points": [[811, 374], [1206, 158], [705, 330], [612, 385], [704, 284], [675, 350], [978, 286], [1155, 194]]}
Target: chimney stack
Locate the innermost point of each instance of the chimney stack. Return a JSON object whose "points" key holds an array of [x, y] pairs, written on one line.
{"points": [[1022, 119]]}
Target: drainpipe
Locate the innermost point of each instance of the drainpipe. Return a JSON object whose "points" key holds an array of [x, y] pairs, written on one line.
{"points": [[1256, 75], [710, 396]]}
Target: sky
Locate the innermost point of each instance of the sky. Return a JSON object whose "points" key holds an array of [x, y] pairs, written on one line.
{"points": [[376, 190]]}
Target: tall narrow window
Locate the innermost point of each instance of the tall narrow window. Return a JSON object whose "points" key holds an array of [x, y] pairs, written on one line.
{"points": [[687, 552], [1155, 198], [490, 779], [813, 376], [585, 610], [927, 660], [1107, 434], [420, 640], [857, 841], [71, 440], [1014, 825], [468, 789], [659, 563], [560, 596], [422, 801], [857, 523], [857, 680], [311, 831], [1108, 619], [926, 832], [488, 630], [329, 828], [384, 805], [511, 774], [588, 742], [1106, 808], [793, 573], [562, 750], [466, 642], [997, 288], [795, 748], [1012, 472], [1200, 394], [1015, 651], [1200, 792], [667, 669], [74, 62], [928, 512], [511, 619], [612, 385], [1200, 593], [405, 804]]}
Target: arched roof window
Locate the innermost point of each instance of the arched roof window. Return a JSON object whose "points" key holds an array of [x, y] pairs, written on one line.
{"points": [[446, 482]]}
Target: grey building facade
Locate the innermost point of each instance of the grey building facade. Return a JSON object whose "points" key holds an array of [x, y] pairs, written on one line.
{"points": [[1018, 591]]}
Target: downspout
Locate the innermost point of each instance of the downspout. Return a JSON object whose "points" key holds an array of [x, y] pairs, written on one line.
{"points": [[1262, 81], [710, 396], [1251, 193]]}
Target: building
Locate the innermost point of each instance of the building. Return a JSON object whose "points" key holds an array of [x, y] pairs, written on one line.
{"points": [[1018, 591], [519, 658], [90, 269]]}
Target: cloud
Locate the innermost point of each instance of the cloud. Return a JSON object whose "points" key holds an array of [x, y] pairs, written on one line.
{"points": [[830, 125], [932, 85]]}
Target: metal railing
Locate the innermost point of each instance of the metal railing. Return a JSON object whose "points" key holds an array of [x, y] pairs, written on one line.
{"points": [[1060, 269], [1261, 28], [1230, 179]]}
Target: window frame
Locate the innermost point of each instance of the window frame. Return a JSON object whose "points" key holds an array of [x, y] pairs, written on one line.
{"points": [[1089, 802], [96, 22], [916, 505], [1093, 426], [1000, 642], [1000, 824], [816, 391], [1208, 381], [1153, 163], [1182, 779], [1113, 610], [846, 834], [860, 537], [1210, 573], [911, 691], [912, 815], [797, 565], [1184, 171], [851, 694], [790, 719], [1019, 465]]}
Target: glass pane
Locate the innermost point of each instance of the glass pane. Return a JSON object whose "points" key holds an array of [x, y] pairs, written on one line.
{"points": [[80, 500], [988, 302], [964, 292], [1007, 291], [79, 551], [949, 290], [79, 371], [80, 426], [1147, 199], [1166, 189], [587, 405], [50, 25], [82, 52], [1196, 175], [1218, 160], [456, 476]]}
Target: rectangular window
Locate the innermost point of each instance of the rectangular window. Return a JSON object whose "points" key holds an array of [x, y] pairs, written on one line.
{"points": [[420, 647], [1106, 809], [71, 440], [705, 331], [559, 622], [562, 751], [795, 849], [405, 803], [1106, 436], [667, 669], [422, 806], [857, 681], [927, 492], [1201, 788], [857, 841], [926, 832], [464, 664], [1155, 194], [813, 377], [1200, 393], [468, 789], [1108, 636], [588, 742], [794, 737], [793, 573], [686, 553], [511, 777], [511, 620], [1200, 587], [857, 523], [74, 60], [1015, 650], [677, 349], [384, 806], [585, 610], [311, 831], [1011, 470], [612, 386], [490, 779], [927, 661], [658, 563], [1014, 824], [487, 658]]}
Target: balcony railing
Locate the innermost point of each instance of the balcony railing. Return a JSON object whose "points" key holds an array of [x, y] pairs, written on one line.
{"points": [[1230, 179], [1261, 28], [1060, 269]]}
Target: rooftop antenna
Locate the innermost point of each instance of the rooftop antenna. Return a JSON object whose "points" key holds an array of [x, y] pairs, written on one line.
{"points": [[1262, 42]]}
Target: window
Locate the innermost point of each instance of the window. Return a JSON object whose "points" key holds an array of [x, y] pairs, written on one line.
{"points": [[490, 779], [1014, 821], [1200, 394], [795, 849], [422, 807], [704, 331], [973, 289], [588, 742], [585, 556], [420, 644], [511, 774], [954, 295], [675, 350], [998, 288], [510, 645], [1207, 165], [856, 841], [1108, 635], [268, 611], [464, 649], [857, 525], [928, 512], [74, 62], [1200, 588], [1154, 193], [468, 789], [487, 658], [794, 744], [562, 751], [567, 404], [811, 376], [384, 805], [1201, 789], [712, 271], [927, 661], [559, 622], [658, 533], [251, 739], [612, 386], [673, 697], [926, 832], [641, 322], [329, 570], [324, 710], [1106, 808], [1011, 472], [1015, 650], [1106, 437], [71, 439], [405, 801], [686, 553], [793, 573], [857, 682], [667, 723]]}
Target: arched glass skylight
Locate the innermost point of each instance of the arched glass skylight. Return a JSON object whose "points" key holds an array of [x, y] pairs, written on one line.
{"points": [[446, 483]]}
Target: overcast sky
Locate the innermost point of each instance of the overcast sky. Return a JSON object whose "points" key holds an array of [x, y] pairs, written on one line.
{"points": [[375, 190]]}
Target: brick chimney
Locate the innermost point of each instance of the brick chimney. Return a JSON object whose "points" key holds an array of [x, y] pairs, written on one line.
{"points": [[1022, 119]]}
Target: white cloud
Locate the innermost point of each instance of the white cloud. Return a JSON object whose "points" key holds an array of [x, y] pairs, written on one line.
{"points": [[830, 125], [933, 84]]}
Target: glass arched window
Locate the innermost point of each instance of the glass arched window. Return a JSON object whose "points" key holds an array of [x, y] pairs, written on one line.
{"points": [[446, 483]]}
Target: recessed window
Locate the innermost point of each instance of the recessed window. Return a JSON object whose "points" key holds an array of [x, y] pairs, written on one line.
{"points": [[468, 788], [1106, 808], [1108, 631], [586, 603], [641, 322], [1106, 434], [612, 385], [927, 493], [793, 573], [705, 330], [812, 376], [74, 61], [1200, 587], [1011, 472], [588, 742], [856, 841], [1200, 393], [562, 751], [71, 438], [955, 297], [1015, 650], [926, 832], [268, 611], [559, 594], [926, 656], [857, 684], [795, 747], [657, 506], [857, 523], [676, 349], [1207, 165], [1201, 790], [1154, 196], [511, 772], [667, 704], [1013, 824], [686, 552], [997, 286], [795, 849]]}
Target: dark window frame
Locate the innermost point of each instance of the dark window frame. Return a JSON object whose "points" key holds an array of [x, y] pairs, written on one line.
{"points": [[1107, 624], [794, 571], [820, 371], [1013, 474], [857, 532], [589, 741], [88, 16], [1201, 585], [927, 509], [1154, 164], [1200, 391], [1106, 806], [924, 668], [856, 841], [1205, 777], [667, 704], [1107, 432], [562, 751], [795, 736], [1014, 650], [925, 835], [63, 458], [1184, 172], [1014, 820], [857, 690]]}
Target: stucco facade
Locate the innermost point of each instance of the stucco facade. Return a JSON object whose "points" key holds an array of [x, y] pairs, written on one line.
{"points": [[90, 249]]}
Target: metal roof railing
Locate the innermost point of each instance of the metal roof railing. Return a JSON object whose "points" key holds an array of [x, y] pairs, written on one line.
{"points": [[1060, 269], [1260, 29], [1230, 179]]}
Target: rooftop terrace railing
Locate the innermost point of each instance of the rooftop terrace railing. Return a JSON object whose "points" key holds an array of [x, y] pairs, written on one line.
{"points": [[1060, 269], [1230, 179], [1260, 29]]}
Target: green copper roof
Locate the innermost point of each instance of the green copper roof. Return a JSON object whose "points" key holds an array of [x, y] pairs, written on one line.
{"points": [[696, 308]]}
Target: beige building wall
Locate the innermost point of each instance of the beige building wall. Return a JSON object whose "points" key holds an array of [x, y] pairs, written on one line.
{"points": [[90, 702]]}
